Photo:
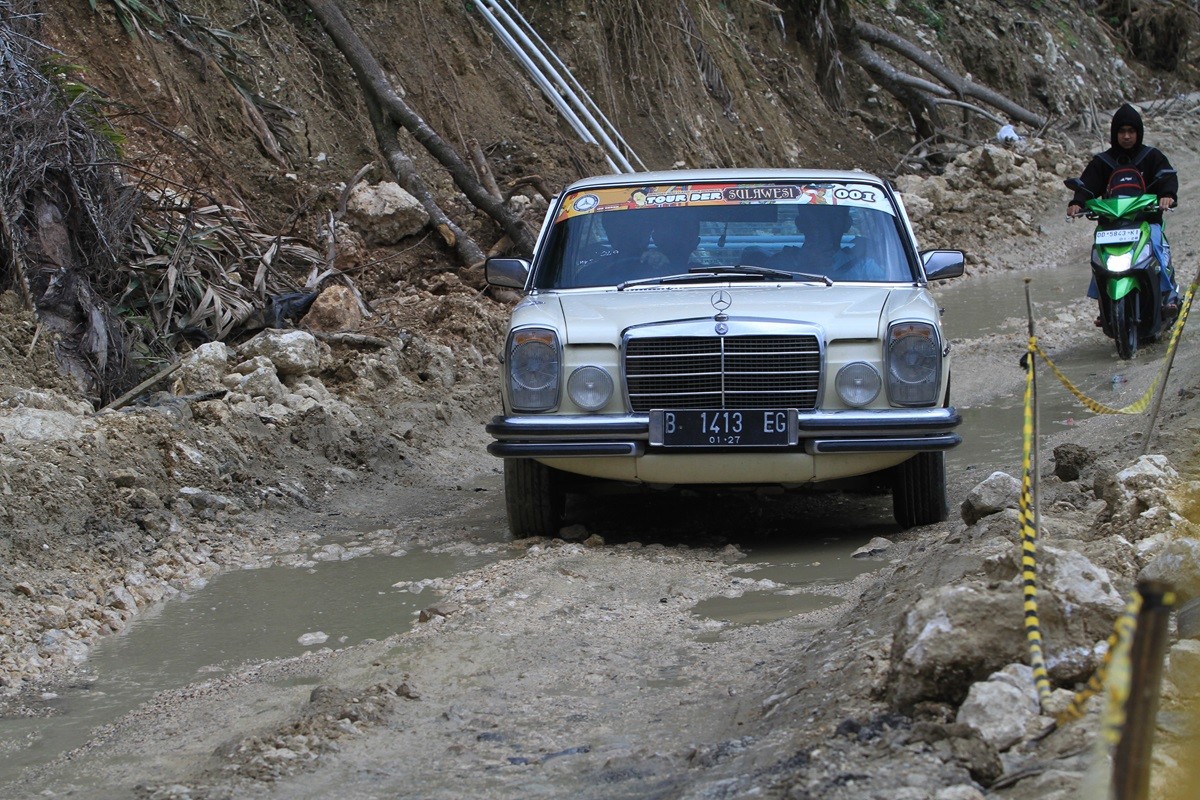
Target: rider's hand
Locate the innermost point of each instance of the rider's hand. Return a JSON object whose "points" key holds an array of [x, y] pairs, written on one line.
{"points": [[1074, 210], [1165, 203]]}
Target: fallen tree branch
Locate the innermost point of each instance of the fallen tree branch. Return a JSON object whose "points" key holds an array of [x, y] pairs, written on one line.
{"points": [[914, 93], [483, 170], [961, 86], [983, 112], [536, 181], [388, 108], [141, 387], [344, 200]]}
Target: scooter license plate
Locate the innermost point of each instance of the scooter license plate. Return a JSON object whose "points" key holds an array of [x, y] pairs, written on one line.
{"points": [[1118, 236]]}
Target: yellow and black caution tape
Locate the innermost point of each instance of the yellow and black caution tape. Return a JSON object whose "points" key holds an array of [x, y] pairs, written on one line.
{"points": [[1125, 625], [1033, 631], [1141, 404], [1114, 670], [1119, 674]]}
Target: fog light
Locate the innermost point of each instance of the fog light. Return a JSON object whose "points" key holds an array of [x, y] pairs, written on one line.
{"points": [[858, 383], [590, 388]]}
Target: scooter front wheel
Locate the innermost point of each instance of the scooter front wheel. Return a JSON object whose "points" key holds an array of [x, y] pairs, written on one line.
{"points": [[1125, 326]]}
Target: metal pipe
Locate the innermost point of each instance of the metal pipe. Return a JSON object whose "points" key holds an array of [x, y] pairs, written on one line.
{"points": [[613, 150], [562, 69], [541, 81]]}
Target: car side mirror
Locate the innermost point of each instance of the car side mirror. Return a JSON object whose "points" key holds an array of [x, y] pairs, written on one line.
{"points": [[941, 265], [510, 273]]}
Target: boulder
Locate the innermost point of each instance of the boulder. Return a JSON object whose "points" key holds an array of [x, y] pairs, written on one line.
{"points": [[952, 638], [384, 213], [1077, 607], [1070, 459], [292, 352], [995, 493], [335, 309], [204, 369], [1183, 667], [260, 380], [1137, 488], [1001, 707], [25, 425], [1178, 565]]}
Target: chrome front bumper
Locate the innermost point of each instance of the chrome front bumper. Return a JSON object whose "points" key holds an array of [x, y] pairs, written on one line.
{"points": [[816, 432]]}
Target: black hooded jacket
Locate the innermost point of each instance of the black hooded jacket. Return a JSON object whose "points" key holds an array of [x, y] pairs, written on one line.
{"points": [[1149, 161]]}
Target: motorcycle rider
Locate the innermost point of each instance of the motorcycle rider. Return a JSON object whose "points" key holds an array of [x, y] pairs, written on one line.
{"points": [[1128, 150]]}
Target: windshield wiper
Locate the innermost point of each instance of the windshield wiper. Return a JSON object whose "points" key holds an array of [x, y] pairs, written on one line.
{"points": [[766, 272], [742, 271]]}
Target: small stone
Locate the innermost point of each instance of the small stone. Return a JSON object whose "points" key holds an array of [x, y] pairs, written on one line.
{"points": [[315, 637], [573, 533], [125, 478], [872, 548]]}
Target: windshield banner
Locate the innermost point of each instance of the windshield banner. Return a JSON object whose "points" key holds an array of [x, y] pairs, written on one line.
{"points": [[722, 194]]}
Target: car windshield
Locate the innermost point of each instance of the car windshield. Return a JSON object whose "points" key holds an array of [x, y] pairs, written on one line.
{"points": [[846, 232]]}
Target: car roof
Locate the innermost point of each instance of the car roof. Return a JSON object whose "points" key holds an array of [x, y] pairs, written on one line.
{"points": [[685, 176]]}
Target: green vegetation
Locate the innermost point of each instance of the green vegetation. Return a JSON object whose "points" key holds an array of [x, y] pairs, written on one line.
{"points": [[1068, 35], [85, 100], [131, 14], [924, 13]]}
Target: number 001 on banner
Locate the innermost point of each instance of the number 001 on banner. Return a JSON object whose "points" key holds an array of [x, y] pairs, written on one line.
{"points": [[724, 428]]}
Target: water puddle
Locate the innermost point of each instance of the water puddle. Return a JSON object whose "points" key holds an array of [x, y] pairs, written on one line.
{"points": [[996, 304], [237, 617], [785, 580]]}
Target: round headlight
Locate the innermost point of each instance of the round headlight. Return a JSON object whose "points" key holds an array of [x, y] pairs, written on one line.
{"points": [[858, 383], [590, 388]]}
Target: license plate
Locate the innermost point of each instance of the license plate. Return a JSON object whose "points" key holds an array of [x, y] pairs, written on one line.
{"points": [[724, 428], [1118, 236]]}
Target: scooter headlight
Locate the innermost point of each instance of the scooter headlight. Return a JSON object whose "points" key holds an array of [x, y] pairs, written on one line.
{"points": [[1119, 262]]}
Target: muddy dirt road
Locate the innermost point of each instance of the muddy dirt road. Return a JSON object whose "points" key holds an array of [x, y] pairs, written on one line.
{"points": [[713, 647]]}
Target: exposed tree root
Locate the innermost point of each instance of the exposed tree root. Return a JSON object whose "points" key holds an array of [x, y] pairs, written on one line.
{"points": [[388, 111]]}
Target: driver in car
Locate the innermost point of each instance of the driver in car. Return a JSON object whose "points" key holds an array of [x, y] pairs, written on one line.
{"points": [[822, 227]]}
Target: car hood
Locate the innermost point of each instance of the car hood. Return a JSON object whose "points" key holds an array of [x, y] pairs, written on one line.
{"points": [[846, 311]]}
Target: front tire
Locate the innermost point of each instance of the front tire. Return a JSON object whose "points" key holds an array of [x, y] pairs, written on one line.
{"points": [[919, 490], [533, 497], [1125, 327]]}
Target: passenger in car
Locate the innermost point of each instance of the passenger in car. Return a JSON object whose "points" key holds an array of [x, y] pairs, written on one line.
{"points": [[822, 253]]}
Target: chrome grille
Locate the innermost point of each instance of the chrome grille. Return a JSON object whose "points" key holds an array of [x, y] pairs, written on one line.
{"points": [[723, 372]]}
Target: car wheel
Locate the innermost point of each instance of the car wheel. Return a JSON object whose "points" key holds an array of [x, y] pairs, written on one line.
{"points": [[919, 490], [533, 497]]}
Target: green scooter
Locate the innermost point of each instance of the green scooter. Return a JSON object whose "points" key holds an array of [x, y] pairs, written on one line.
{"points": [[1126, 269]]}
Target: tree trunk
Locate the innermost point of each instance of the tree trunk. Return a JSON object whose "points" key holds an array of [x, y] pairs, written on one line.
{"points": [[963, 87], [913, 93], [390, 108]]}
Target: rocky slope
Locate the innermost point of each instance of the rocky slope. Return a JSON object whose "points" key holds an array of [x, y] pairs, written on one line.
{"points": [[106, 514]]}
